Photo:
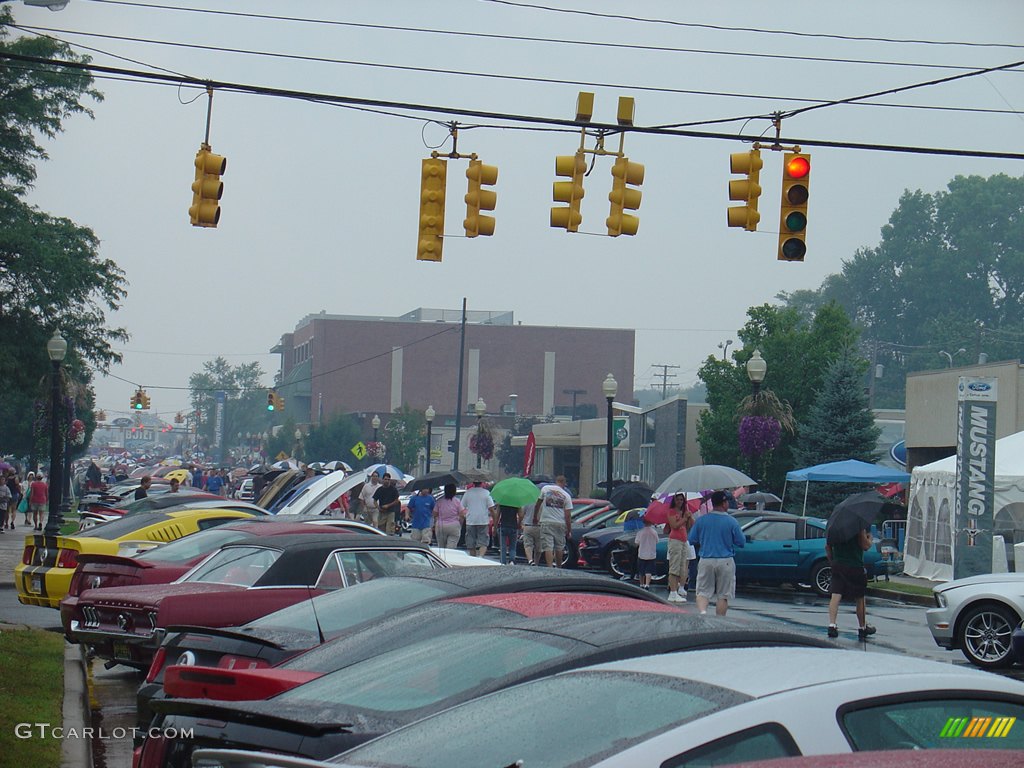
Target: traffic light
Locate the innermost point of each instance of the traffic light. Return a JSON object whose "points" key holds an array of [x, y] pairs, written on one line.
{"points": [[747, 190], [278, 402], [207, 188], [478, 199], [568, 217], [145, 400], [178, 418], [270, 400], [796, 173], [624, 197], [137, 400], [434, 174]]}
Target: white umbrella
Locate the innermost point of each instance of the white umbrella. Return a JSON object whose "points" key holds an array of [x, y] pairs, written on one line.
{"points": [[706, 477], [334, 466]]}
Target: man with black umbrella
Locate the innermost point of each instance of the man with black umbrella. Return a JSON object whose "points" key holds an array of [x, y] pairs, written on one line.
{"points": [[850, 580]]}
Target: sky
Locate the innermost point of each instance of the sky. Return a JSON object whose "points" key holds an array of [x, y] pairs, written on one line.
{"points": [[320, 204]]}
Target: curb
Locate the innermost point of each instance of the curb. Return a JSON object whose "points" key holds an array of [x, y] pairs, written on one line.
{"points": [[903, 597], [77, 715]]}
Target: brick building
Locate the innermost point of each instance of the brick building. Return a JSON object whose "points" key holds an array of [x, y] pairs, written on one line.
{"points": [[356, 364]]}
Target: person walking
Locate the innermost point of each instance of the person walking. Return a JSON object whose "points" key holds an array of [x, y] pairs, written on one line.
{"points": [[7, 510], [366, 502], [553, 513], [646, 552], [14, 486], [215, 483], [849, 580], [143, 490], [717, 534], [480, 508], [38, 498], [531, 535], [420, 514], [507, 522], [388, 504], [680, 521], [29, 478], [448, 514]]}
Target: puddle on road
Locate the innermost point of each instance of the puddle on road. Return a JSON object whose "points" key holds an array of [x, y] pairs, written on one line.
{"points": [[112, 701]]}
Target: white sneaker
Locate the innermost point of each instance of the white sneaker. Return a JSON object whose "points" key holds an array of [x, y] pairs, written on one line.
{"points": [[674, 598], [682, 596]]}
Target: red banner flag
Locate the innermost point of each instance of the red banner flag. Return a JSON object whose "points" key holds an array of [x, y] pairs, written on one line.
{"points": [[531, 450]]}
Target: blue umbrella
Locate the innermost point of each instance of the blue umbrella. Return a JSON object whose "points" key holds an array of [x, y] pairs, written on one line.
{"points": [[386, 469]]}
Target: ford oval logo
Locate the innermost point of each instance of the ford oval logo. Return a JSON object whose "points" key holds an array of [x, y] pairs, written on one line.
{"points": [[979, 386]]}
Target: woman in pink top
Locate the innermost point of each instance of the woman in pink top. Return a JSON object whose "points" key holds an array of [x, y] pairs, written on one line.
{"points": [[448, 514], [38, 496]]}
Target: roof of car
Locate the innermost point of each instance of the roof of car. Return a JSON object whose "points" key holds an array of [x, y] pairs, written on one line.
{"points": [[535, 605], [328, 538]]}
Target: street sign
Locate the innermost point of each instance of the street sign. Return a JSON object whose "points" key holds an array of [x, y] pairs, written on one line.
{"points": [[359, 450], [281, 456], [122, 422]]}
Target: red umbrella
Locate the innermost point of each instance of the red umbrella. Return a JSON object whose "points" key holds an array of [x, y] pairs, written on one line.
{"points": [[657, 512]]}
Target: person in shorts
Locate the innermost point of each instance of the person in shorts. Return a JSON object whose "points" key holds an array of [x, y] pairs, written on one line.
{"points": [[420, 514], [38, 498], [849, 580], [679, 522], [646, 552], [553, 513], [480, 508], [717, 534], [388, 503], [531, 535]]}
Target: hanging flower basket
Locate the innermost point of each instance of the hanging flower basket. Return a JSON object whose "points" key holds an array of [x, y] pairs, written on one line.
{"points": [[377, 450], [482, 444], [759, 435]]}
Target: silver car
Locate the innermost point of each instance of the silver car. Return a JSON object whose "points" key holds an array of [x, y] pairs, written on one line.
{"points": [[978, 615], [704, 708]]}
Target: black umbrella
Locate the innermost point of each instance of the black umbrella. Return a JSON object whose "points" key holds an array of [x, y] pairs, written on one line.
{"points": [[540, 479], [437, 480], [855, 514], [630, 495]]}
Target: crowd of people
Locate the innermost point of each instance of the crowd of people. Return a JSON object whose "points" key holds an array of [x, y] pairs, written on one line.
{"points": [[28, 496]]}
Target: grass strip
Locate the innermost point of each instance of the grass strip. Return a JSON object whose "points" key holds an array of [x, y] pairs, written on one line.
{"points": [[32, 689]]}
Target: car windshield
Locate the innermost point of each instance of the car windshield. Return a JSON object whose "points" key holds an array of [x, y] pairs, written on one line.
{"points": [[241, 566], [337, 611], [123, 528], [431, 671], [194, 545], [534, 723]]}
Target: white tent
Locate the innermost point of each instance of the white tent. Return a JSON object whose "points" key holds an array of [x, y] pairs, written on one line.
{"points": [[930, 514]]}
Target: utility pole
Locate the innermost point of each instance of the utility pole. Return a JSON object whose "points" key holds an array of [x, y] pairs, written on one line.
{"points": [[664, 376]]}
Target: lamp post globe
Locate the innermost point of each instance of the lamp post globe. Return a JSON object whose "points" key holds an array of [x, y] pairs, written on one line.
{"points": [[480, 408], [56, 348], [756, 370], [375, 423], [429, 415], [610, 388]]}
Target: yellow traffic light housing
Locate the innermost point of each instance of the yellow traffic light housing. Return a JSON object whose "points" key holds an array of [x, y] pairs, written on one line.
{"points": [[624, 197], [479, 199], [145, 401], [568, 217], [747, 190], [136, 401], [278, 402], [434, 174], [796, 174], [207, 188], [270, 400]]}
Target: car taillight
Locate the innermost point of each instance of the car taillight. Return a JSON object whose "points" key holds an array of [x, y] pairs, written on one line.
{"points": [[152, 752], [68, 558], [157, 665], [76, 580], [241, 662], [28, 554]]}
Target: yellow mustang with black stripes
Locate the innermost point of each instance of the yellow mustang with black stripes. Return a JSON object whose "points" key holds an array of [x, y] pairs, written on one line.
{"points": [[48, 562]]}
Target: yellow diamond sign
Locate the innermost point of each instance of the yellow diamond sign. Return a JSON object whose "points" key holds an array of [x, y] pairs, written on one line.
{"points": [[359, 450]]}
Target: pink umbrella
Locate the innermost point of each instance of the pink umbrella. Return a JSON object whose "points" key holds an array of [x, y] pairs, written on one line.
{"points": [[657, 512]]}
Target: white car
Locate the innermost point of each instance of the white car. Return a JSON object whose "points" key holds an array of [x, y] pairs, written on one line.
{"points": [[978, 615], [706, 708]]}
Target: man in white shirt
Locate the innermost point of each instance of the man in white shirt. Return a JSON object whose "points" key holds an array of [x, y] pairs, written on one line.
{"points": [[479, 509], [553, 512], [366, 498]]}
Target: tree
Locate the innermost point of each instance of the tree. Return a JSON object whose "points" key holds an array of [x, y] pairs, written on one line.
{"points": [[797, 351], [332, 440], [512, 459], [948, 273], [244, 407], [838, 426], [405, 434], [51, 276]]}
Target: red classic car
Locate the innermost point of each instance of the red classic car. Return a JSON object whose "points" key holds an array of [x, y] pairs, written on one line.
{"points": [[242, 581]]}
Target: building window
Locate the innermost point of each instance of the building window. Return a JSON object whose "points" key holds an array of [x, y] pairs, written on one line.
{"points": [[647, 464]]}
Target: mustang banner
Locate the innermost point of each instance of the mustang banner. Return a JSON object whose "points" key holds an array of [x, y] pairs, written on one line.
{"points": [[975, 476]]}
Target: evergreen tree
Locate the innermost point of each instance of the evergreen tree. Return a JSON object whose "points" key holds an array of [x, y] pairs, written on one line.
{"points": [[838, 426]]}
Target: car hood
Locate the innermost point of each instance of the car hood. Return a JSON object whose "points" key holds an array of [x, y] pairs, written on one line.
{"points": [[984, 580], [152, 594]]}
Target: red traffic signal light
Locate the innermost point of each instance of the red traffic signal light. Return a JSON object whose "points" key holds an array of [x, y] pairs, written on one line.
{"points": [[796, 174]]}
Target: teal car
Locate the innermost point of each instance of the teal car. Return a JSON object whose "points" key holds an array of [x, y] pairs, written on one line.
{"points": [[780, 549]]}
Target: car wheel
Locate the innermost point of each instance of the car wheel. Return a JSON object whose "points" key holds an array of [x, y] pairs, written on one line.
{"points": [[985, 633], [821, 578], [620, 563], [570, 555]]}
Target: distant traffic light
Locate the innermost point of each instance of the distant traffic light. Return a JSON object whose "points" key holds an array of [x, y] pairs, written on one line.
{"points": [[136, 401], [434, 175], [207, 188], [278, 402], [270, 400], [478, 199], [747, 190], [796, 174], [624, 198], [568, 217]]}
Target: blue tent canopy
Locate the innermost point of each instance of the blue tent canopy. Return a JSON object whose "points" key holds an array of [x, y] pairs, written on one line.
{"points": [[849, 471]]}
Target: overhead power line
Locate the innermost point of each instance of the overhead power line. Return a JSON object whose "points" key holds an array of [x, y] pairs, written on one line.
{"points": [[527, 38], [497, 76], [531, 120], [758, 30]]}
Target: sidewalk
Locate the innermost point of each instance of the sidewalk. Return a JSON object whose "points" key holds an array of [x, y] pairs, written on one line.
{"points": [[890, 589]]}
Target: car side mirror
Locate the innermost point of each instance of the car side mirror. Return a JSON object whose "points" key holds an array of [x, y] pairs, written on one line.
{"points": [[747, 537]]}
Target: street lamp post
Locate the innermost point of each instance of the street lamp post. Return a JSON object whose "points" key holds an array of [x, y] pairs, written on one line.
{"points": [[480, 408], [56, 348], [756, 370], [375, 423], [610, 388], [429, 415]]}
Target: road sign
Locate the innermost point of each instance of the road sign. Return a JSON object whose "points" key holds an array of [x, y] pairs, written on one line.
{"points": [[122, 422], [281, 456], [359, 450]]}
